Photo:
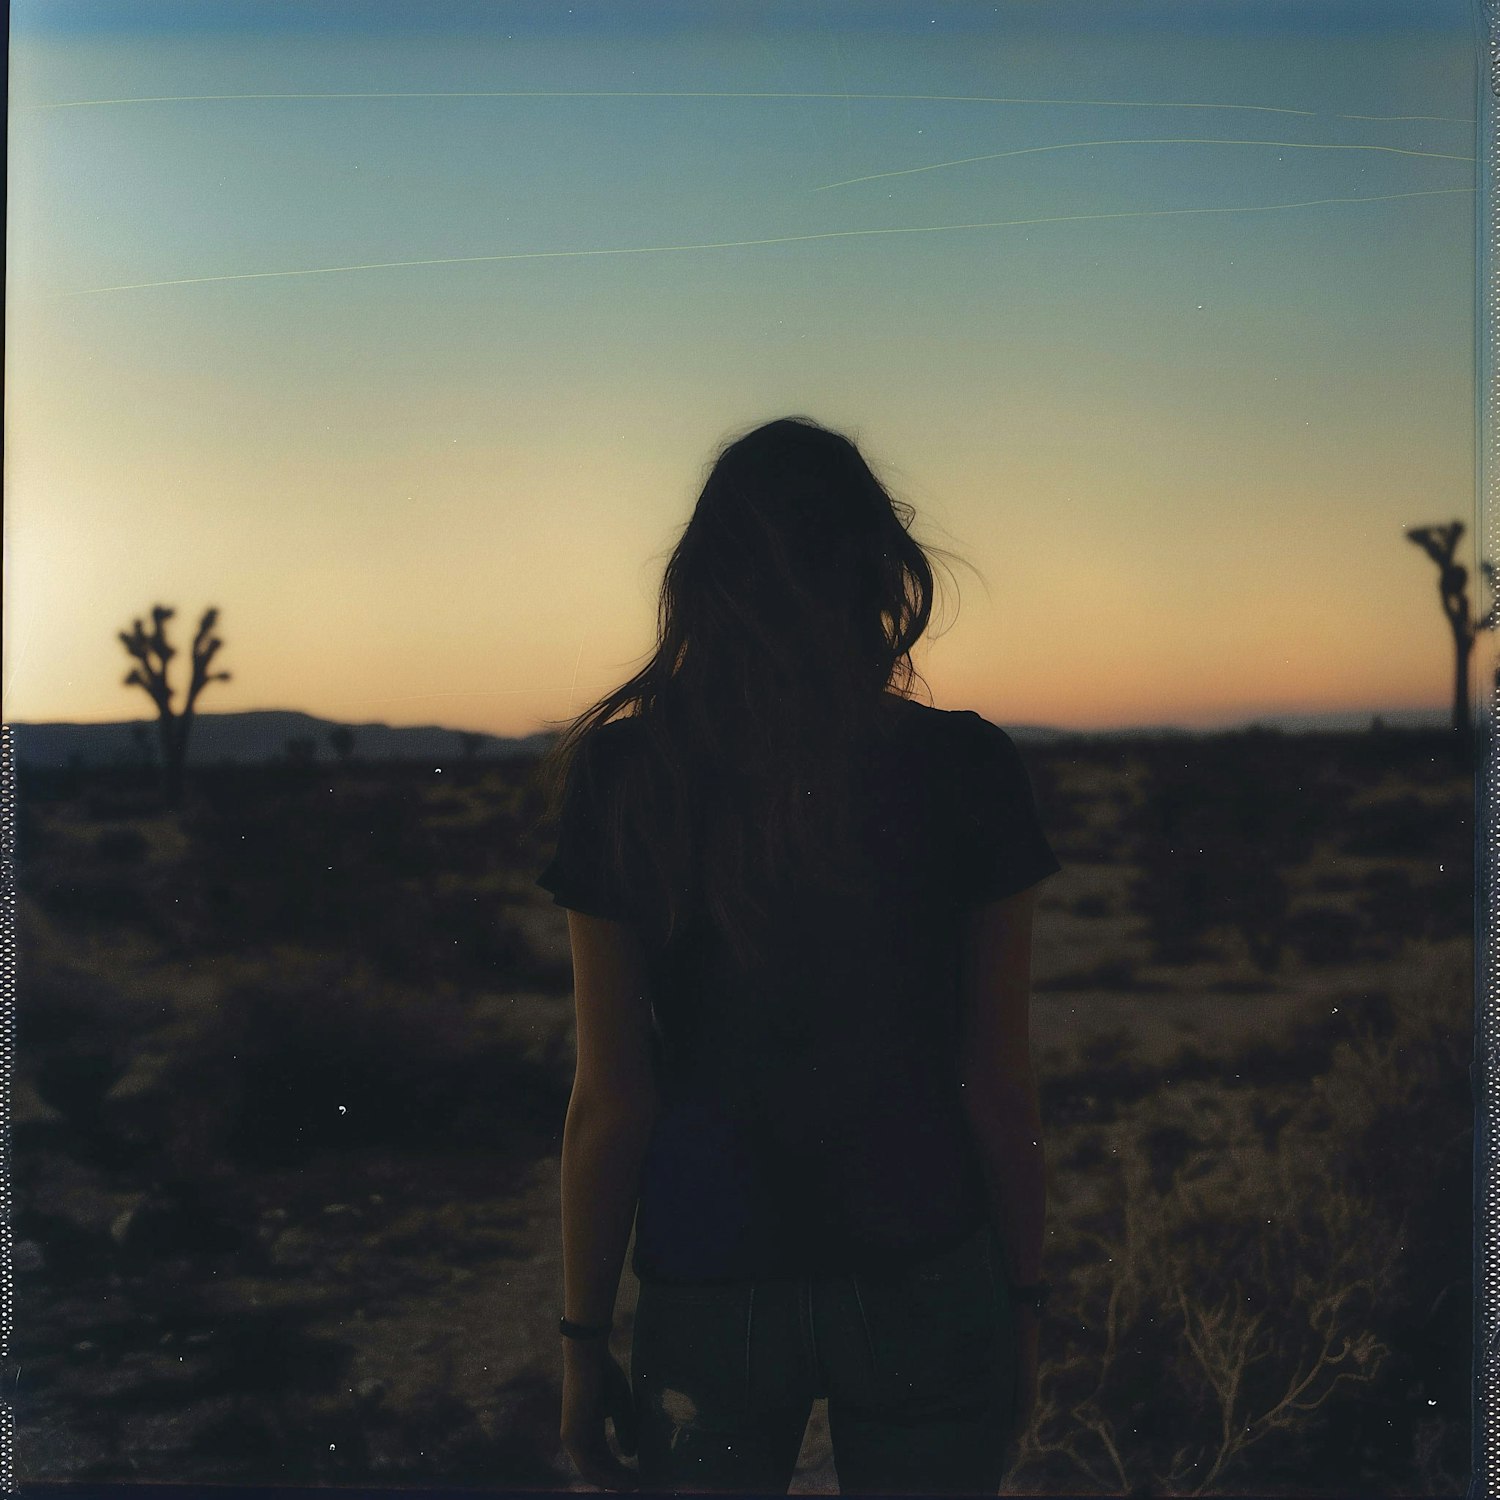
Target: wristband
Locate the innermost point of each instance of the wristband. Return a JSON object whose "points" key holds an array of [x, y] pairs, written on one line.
{"points": [[571, 1330]]}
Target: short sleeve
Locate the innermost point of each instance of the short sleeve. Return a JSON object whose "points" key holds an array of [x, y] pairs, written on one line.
{"points": [[1002, 848], [579, 874]]}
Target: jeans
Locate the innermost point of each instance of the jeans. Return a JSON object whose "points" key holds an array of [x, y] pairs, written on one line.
{"points": [[917, 1365]]}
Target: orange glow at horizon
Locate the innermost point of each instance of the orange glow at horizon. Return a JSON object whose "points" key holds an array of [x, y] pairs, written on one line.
{"points": [[1178, 435]]}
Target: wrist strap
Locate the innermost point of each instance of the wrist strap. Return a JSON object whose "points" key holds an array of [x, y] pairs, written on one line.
{"points": [[571, 1330]]}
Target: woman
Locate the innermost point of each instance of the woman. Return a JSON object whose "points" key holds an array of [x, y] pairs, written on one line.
{"points": [[800, 906]]}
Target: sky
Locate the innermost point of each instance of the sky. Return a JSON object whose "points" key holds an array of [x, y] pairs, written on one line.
{"points": [[403, 335]]}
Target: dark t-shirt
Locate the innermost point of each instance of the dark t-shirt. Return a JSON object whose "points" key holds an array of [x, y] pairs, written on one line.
{"points": [[811, 1120]]}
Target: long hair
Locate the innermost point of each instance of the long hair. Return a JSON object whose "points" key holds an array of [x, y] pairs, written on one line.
{"points": [[787, 615]]}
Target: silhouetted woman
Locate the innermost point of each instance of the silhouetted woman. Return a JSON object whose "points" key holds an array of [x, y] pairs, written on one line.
{"points": [[800, 905]]}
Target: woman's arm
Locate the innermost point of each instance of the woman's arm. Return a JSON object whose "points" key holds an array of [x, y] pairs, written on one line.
{"points": [[999, 1087], [610, 1113]]}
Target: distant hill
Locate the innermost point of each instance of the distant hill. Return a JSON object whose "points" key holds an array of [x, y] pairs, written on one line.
{"points": [[1395, 718], [257, 736], [1046, 734], [262, 735], [1348, 721]]}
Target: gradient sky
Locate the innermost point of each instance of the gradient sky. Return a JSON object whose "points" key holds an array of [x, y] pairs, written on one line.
{"points": [[1181, 447]]}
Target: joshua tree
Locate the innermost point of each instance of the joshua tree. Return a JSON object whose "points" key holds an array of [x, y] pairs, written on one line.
{"points": [[153, 654], [1440, 543], [341, 739], [1491, 620]]}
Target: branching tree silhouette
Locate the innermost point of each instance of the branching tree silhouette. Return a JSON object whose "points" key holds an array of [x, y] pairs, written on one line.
{"points": [[154, 654], [1491, 621], [1440, 543]]}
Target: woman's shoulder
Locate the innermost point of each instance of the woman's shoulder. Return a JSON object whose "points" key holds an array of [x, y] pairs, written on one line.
{"points": [[602, 748], [964, 748], [953, 723], [956, 730]]}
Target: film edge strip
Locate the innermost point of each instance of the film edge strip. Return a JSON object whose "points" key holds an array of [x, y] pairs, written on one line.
{"points": [[1484, 1073], [7, 1076]]}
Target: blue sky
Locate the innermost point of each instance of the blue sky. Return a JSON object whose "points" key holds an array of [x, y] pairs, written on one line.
{"points": [[1182, 18], [1165, 322]]}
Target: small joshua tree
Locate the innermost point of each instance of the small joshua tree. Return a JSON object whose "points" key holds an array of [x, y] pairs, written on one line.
{"points": [[341, 739], [153, 655], [1440, 543]]}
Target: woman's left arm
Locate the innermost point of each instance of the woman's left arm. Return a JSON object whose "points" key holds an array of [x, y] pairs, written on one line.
{"points": [[610, 1112]]}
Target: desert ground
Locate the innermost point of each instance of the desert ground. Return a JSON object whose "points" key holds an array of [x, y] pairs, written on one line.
{"points": [[294, 1057]]}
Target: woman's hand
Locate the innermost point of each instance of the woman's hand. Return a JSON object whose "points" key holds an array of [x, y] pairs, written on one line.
{"points": [[595, 1388]]}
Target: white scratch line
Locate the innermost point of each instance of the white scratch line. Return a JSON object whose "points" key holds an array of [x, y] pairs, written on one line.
{"points": [[1450, 119], [779, 239], [19, 659], [1274, 109], [1190, 140]]}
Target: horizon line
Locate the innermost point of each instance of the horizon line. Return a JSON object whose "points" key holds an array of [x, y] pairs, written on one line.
{"points": [[1245, 720]]}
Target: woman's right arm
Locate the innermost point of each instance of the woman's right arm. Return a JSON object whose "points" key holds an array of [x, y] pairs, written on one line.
{"points": [[998, 1085]]}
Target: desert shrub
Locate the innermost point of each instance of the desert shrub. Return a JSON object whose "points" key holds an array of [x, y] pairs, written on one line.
{"points": [[1168, 1147], [1398, 1106], [1088, 846], [1101, 1078], [312, 1052], [1217, 825], [1282, 1282], [1404, 827], [77, 1029], [1268, 1119], [1088, 1152], [98, 898], [1449, 896], [320, 1053], [1092, 905], [472, 935], [1290, 1061], [537, 832], [1388, 904], [280, 865], [109, 803], [1107, 974], [125, 846], [1060, 812], [1231, 1298], [1256, 901], [1325, 934], [1397, 908], [366, 869], [1236, 984], [1235, 792]]}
